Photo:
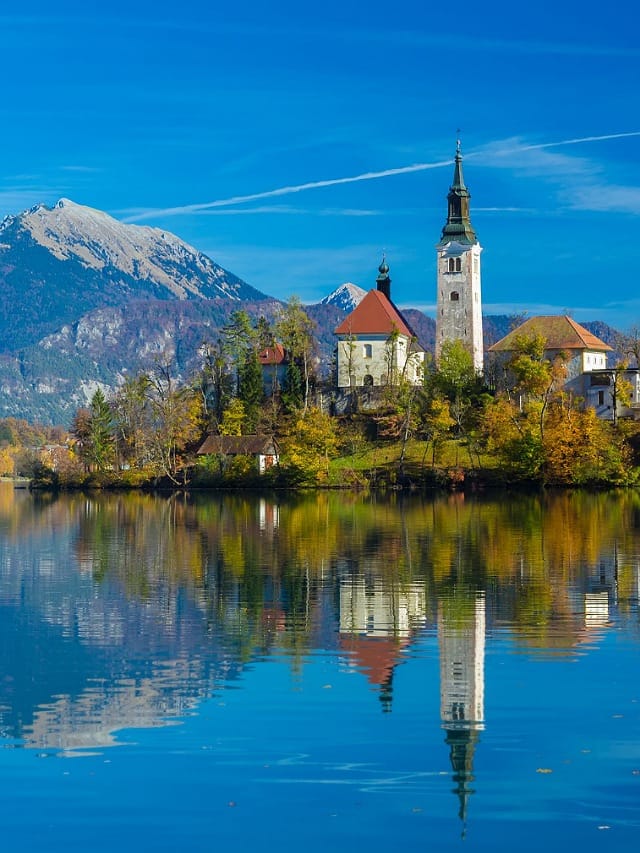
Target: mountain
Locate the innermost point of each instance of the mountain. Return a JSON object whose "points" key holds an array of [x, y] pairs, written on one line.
{"points": [[59, 263], [346, 297], [86, 301]]}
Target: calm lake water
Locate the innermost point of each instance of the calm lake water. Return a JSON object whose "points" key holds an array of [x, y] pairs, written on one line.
{"points": [[327, 672]]}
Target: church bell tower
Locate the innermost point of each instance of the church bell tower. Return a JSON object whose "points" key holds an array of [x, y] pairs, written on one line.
{"points": [[459, 303]]}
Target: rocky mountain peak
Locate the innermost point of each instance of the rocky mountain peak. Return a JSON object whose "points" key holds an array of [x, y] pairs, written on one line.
{"points": [[345, 297], [103, 244]]}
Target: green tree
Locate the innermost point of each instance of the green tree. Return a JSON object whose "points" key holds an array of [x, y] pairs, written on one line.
{"points": [[101, 438], [239, 340], [292, 390], [295, 330], [456, 380], [251, 389], [216, 382], [93, 431]]}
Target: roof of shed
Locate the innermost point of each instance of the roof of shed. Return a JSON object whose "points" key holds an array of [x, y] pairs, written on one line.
{"points": [[239, 445]]}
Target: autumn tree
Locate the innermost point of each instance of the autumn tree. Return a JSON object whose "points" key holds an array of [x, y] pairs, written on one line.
{"points": [[132, 421], [311, 441], [176, 421]]}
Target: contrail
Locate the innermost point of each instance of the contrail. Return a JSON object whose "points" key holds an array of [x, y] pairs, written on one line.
{"points": [[366, 176], [312, 185], [578, 141]]}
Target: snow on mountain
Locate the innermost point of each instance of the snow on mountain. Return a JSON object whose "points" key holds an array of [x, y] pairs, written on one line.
{"points": [[345, 297], [101, 243]]}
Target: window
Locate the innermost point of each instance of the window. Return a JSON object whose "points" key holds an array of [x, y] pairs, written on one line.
{"points": [[601, 398], [367, 350], [454, 265], [368, 380], [455, 296]]}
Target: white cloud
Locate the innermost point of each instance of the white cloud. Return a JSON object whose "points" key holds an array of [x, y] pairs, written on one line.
{"points": [[578, 179]]}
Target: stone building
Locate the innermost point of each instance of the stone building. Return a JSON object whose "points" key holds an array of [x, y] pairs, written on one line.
{"points": [[459, 302], [584, 356]]}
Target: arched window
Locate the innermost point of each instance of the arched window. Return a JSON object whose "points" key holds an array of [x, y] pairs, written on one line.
{"points": [[458, 264], [455, 296], [454, 265], [368, 380], [367, 350]]}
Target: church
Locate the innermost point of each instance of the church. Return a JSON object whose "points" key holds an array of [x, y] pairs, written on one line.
{"points": [[376, 345]]}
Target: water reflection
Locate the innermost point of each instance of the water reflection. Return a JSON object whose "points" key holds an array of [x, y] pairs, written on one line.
{"points": [[125, 611], [461, 639]]}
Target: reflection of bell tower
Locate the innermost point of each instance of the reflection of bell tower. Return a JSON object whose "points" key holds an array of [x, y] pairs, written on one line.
{"points": [[461, 637]]}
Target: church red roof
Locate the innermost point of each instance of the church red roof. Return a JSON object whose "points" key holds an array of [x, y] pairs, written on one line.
{"points": [[374, 315]]}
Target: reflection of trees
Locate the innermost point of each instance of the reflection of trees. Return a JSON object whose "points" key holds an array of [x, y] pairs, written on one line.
{"points": [[263, 581], [148, 582]]}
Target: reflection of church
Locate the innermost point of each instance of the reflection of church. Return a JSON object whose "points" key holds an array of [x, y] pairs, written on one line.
{"points": [[461, 638], [376, 623]]}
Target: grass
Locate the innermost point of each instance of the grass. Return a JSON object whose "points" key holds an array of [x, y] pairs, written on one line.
{"points": [[380, 461]]}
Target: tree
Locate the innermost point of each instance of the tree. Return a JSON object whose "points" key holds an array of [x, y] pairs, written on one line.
{"points": [[216, 381], [437, 424], [251, 389], [456, 380], [295, 331], [233, 418], [391, 357], [101, 439], [538, 378], [239, 340], [93, 430], [176, 422], [131, 417], [310, 443], [292, 389]]}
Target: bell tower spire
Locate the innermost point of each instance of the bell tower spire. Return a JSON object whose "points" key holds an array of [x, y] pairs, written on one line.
{"points": [[459, 305], [458, 226]]}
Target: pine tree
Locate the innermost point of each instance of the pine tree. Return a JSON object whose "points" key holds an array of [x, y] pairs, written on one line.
{"points": [[251, 389]]}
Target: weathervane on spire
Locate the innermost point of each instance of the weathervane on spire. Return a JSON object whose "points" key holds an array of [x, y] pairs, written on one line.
{"points": [[458, 143]]}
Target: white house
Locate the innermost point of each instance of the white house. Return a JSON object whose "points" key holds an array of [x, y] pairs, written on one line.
{"points": [[376, 345], [584, 356]]}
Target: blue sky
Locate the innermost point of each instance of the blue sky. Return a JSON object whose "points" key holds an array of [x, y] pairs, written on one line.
{"points": [[166, 114]]}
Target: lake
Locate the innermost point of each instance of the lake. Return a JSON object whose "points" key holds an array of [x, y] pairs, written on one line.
{"points": [[331, 671]]}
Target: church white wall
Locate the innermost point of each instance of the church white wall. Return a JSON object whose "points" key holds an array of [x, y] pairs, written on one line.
{"points": [[360, 357], [459, 303]]}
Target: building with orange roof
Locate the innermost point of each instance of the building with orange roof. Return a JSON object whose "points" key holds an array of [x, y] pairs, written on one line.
{"points": [[376, 345], [273, 361], [584, 355]]}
